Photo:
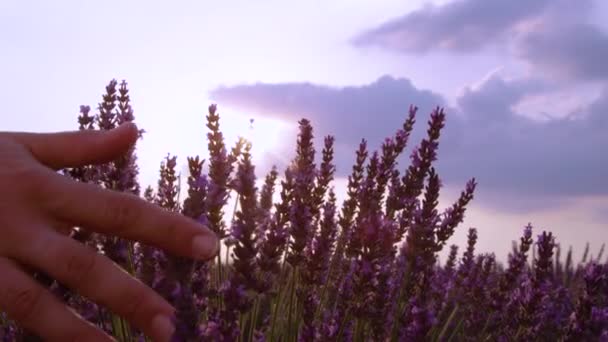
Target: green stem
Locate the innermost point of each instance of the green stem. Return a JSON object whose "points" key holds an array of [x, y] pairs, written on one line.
{"points": [[297, 316], [485, 326], [343, 325], [219, 267], [290, 306], [130, 258], [278, 302], [219, 277], [126, 329], [401, 302], [445, 327], [455, 330], [254, 318], [358, 335], [242, 321], [273, 320], [116, 328], [284, 276], [519, 331], [274, 309], [324, 290]]}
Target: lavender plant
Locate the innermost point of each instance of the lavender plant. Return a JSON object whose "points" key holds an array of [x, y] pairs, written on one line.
{"points": [[308, 268]]}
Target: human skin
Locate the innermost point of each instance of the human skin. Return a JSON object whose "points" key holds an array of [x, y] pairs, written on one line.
{"points": [[36, 206]]}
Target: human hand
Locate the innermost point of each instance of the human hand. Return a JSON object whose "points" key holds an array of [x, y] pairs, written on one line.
{"points": [[35, 206]]}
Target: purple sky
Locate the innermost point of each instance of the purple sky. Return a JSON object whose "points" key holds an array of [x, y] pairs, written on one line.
{"points": [[524, 84]]}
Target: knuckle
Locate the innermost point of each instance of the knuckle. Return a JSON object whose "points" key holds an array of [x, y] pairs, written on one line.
{"points": [[37, 179], [80, 267], [134, 304], [37, 185], [22, 302], [123, 212], [30, 179], [171, 231], [169, 234]]}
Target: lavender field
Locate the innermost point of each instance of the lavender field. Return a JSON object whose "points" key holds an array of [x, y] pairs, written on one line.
{"points": [[308, 268]]}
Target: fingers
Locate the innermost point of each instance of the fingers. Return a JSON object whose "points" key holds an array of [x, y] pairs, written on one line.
{"points": [[37, 310], [96, 277], [77, 148], [62, 227], [128, 216]]}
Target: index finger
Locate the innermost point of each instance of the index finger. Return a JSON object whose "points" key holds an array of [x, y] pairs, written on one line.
{"points": [[127, 216]]}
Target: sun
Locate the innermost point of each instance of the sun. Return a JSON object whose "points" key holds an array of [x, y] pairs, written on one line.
{"points": [[268, 136]]}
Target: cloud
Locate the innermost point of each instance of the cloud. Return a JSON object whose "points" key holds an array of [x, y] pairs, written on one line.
{"points": [[373, 111], [509, 153], [555, 37], [598, 111], [490, 102], [458, 26], [515, 154], [577, 51]]}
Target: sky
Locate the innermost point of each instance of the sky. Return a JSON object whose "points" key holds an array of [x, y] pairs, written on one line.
{"points": [[524, 85]]}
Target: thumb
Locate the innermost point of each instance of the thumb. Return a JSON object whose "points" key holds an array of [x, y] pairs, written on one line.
{"points": [[78, 148]]}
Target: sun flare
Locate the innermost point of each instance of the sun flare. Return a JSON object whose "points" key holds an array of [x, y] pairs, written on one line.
{"points": [[267, 135]]}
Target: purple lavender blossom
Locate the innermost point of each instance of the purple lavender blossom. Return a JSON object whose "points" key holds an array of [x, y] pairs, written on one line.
{"points": [[221, 165], [298, 271], [302, 207], [421, 160], [454, 215], [589, 321], [244, 226]]}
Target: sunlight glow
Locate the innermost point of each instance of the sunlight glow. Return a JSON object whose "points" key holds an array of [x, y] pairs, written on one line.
{"points": [[267, 135]]}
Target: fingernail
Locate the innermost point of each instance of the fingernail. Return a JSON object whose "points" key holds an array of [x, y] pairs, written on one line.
{"points": [[204, 247], [162, 327]]}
